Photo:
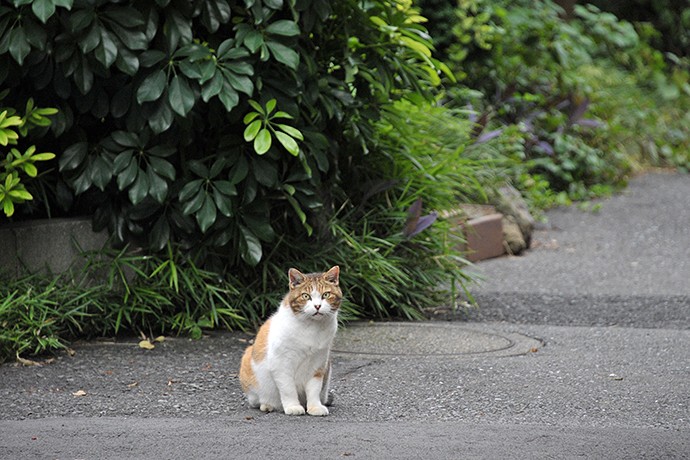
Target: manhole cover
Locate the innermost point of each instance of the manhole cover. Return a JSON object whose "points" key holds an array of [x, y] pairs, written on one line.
{"points": [[424, 339]]}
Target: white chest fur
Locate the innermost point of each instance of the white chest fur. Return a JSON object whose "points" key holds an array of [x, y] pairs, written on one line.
{"points": [[295, 337]]}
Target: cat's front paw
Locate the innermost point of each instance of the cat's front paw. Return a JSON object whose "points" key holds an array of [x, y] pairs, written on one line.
{"points": [[266, 408], [294, 410], [318, 410]]}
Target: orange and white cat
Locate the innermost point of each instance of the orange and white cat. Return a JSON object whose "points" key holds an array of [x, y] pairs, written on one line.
{"points": [[288, 367]]}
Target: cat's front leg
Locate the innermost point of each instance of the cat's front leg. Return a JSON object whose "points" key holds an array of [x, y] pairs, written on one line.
{"points": [[313, 393], [288, 394]]}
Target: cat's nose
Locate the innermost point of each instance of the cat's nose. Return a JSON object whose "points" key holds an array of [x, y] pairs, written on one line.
{"points": [[317, 307]]}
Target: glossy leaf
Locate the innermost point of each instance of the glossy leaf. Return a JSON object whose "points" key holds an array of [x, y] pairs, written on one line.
{"points": [[162, 117], [194, 204], [152, 87], [106, 52], [294, 132], [127, 175], [212, 87], [139, 189], [264, 171], [180, 96], [283, 27], [262, 142], [248, 118], [228, 96], [275, 4], [239, 171], [240, 83], [160, 234], [18, 45], [206, 216], [101, 172], [287, 142], [252, 130], [283, 54], [158, 187], [199, 168], [43, 9], [122, 161], [260, 225], [271, 106], [225, 187], [126, 16], [125, 138], [178, 29], [223, 203], [250, 247], [90, 41], [162, 167], [73, 156], [190, 189], [214, 13], [254, 40], [127, 62]]}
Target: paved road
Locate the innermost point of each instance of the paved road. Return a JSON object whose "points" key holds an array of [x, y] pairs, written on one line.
{"points": [[581, 349]]}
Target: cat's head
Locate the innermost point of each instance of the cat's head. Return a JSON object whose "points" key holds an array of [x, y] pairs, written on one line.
{"points": [[314, 295]]}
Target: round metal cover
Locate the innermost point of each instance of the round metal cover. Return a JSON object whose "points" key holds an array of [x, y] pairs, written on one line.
{"points": [[429, 339]]}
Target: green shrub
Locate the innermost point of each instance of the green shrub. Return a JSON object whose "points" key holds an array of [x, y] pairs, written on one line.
{"points": [[155, 130], [243, 137], [671, 18], [579, 102]]}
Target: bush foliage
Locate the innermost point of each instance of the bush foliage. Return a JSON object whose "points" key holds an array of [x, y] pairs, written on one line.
{"points": [[216, 124], [241, 134], [536, 81], [222, 141]]}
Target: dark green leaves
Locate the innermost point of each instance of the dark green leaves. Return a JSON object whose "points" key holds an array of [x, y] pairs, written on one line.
{"points": [[269, 41], [208, 196], [195, 70], [180, 96], [44, 9], [214, 13], [283, 27], [114, 35], [283, 54], [73, 156], [140, 170], [250, 246], [152, 87], [231, 75], [153, 96], [17, 43], [106, 51]]}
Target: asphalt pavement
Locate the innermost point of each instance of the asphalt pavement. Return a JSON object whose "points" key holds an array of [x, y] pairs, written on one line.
{"points": [[578, 349]]}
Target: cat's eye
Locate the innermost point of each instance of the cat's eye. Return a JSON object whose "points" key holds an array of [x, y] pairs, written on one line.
{"points": [[306, 296], [326, 295]]}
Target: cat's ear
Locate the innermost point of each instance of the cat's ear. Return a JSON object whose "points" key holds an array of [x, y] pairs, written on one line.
{"points": [[332, 275], [296, 277]]}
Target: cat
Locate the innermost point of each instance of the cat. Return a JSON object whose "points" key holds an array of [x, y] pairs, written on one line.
{"points": [[288, 367]]}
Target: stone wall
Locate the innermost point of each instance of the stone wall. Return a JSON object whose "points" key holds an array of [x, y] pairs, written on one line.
{"points": [[46, 245]]}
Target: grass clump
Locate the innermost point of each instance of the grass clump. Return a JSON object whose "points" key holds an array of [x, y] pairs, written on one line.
{"points": [[114, 293]]}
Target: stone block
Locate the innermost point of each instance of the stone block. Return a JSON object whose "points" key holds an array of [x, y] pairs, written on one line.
{"points": [[484, 237], [46, 245]]}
